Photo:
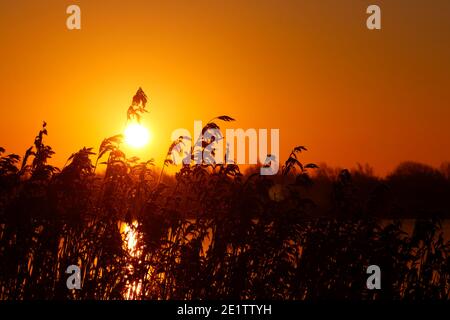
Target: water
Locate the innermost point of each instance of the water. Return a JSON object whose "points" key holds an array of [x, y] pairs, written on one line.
{"points": [[408, 226], [130, 239]]}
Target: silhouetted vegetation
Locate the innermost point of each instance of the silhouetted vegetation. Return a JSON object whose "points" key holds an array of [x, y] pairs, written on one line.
{"points": [[212, 232]]}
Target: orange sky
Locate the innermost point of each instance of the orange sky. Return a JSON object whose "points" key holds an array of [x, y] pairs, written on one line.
{"points": [[309, 68]]}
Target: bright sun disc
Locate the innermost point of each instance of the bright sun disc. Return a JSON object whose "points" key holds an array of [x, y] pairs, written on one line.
{"points": [[136, 135]]}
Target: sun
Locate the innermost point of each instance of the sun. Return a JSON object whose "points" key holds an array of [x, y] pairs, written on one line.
{"points": [[136, 135]]}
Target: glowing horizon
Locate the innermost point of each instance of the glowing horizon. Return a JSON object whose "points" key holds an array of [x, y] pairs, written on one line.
{"points": [[310, 69]]}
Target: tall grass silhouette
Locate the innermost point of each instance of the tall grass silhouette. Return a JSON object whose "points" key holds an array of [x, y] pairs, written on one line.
{"points": [[212, 232]]}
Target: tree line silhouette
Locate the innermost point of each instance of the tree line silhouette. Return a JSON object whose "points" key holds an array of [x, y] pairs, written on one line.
{"points": [[212, 232]]}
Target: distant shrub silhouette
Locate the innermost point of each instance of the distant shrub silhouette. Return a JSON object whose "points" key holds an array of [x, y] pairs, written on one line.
{"points": [[421, 188], [212, 232]]}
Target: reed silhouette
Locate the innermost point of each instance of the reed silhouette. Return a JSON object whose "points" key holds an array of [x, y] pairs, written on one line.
{"points": [[212, 232]]}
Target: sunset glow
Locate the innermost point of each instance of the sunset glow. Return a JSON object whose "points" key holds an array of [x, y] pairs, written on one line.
{"points": [[354, 89]]}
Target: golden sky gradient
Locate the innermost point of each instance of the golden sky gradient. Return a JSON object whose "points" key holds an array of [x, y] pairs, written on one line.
{"points": [[310, 68]]}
